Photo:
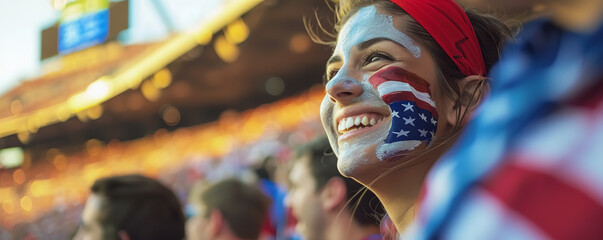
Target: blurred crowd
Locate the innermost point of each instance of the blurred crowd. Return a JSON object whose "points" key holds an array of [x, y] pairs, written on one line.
{"points": [[264, 164]]}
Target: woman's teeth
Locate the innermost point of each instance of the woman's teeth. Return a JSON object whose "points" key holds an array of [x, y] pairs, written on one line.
{"points": [[357, 122]]}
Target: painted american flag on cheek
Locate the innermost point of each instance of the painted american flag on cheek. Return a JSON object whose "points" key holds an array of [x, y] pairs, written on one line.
{"points": [[414, 116]]}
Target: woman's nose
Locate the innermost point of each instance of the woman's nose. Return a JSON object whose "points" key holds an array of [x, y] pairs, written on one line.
{"points": [[344, 90]]}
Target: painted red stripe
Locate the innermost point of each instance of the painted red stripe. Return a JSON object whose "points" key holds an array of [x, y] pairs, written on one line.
{"points": [[408, 96], [400, 75], [560, 210]]}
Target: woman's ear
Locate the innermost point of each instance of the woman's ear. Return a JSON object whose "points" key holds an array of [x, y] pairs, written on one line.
{"points": [[123, 235], [333, 194], [472, 91], [216, 222]]}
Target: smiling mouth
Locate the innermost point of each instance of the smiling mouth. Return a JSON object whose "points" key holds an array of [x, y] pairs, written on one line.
{"points": [[351, 123]]}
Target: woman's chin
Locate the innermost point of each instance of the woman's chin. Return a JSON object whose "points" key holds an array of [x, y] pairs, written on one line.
{"points": [[347, 168], [359, 166], [368, 165]]}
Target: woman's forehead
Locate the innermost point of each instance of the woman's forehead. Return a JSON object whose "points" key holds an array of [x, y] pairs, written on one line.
{"points": [[368, 23]]}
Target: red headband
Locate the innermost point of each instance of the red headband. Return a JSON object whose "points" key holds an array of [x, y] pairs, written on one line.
{"points": [[449, 25]]}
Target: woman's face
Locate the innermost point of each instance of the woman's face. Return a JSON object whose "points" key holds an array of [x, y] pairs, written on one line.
{"points": [[382, 96]]}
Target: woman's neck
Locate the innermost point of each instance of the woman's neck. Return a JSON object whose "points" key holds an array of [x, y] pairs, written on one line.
{"points": [[400, 189]]}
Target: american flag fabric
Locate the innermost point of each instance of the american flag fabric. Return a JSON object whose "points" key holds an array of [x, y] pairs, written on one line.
{"points": [[414, 116], [530, 165]]}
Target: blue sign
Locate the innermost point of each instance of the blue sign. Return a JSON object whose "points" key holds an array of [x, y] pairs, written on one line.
{"points": [[83, 32]]}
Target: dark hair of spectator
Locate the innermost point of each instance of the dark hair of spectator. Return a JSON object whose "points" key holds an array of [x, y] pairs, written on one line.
{"points": [[366, 207], [244, 207], [140, 206]]}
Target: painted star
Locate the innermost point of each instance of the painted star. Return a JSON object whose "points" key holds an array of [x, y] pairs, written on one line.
{"points": [[401, 133], [423, 132], [395, 114], [422, 116], [409, 120], [408, 106], [433, 121]]}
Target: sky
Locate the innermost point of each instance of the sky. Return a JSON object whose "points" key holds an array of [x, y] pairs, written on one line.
{"points": [[22, 21]]}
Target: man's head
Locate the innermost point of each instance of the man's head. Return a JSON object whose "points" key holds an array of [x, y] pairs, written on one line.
{"points": [[228, 209], [131, 207], [319, 193]]}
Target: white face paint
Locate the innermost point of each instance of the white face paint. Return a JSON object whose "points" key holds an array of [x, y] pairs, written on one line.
{"points": [[351, 153], [369, 24], [366, 24]]}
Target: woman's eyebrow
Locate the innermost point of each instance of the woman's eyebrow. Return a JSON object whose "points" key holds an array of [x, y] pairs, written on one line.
{"points": [[333, 59], [368, 43], [361, 46]]}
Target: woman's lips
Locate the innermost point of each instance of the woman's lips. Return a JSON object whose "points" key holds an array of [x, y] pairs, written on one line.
{"points": [[360, 121], [354, 125]]}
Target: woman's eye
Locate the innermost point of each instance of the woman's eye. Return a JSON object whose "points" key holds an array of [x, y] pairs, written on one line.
{"points": [[331, 74], [376, 56], [327, 77]]}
